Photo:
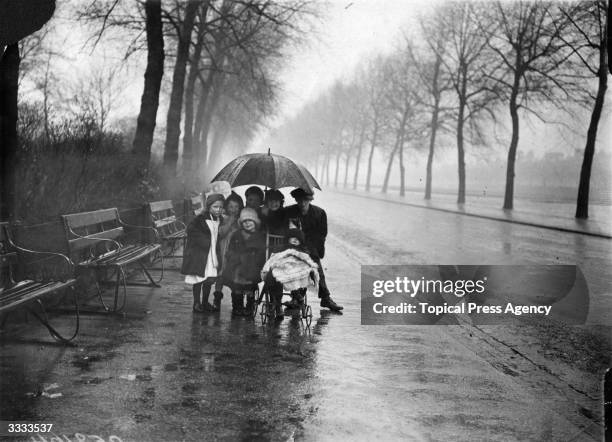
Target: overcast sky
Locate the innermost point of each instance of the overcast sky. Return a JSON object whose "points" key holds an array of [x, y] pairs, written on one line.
{"points": [[349, 31]]}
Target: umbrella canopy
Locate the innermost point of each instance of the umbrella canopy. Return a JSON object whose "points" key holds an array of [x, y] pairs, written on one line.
{"points": [[266, 169]]}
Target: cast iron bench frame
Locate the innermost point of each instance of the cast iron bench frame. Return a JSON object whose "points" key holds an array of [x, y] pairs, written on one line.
{"points": [[100, 244], [47, 274], [169, 228]]}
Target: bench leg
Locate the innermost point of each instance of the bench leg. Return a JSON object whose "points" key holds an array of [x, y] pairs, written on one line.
{"points": [[120, 280], [44, 320], [148, 275]]}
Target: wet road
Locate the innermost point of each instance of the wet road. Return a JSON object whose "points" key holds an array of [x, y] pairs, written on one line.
{"points": [[163, 373]]}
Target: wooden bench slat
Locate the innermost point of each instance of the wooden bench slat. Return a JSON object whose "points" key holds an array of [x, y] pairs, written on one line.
{"points": [[10, 301], [158, 206], [76, 220], [176, 235], [82, 243], [164, 222]]}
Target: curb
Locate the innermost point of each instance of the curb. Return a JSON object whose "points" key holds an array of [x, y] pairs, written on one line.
{"points": [[476, 215]]}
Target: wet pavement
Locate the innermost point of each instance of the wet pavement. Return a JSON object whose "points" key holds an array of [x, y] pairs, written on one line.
{"points": [[161, 372]]}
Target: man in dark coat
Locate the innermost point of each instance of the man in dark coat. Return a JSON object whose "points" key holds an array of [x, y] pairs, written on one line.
{"points": [[312, 220]]}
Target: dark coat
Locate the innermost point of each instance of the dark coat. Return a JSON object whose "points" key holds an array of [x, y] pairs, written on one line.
{"points": [[314, 226], [275, 222], [244, 259], [197, 246]]}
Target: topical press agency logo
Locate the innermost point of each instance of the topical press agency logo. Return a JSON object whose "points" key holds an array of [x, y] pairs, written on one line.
{"points": [[486, 294]]}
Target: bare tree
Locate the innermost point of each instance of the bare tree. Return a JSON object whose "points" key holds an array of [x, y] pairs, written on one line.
{"points": [[588, 39], [173, 121], [434, 81], [143, 139], [526, 38], [470, 65], [403, 100], [374, 84]]}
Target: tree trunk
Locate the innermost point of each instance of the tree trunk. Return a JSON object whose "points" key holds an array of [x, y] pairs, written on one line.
{"points": [[388, 172], [337, 167], [199, 117], [582, 203], [208, 116], [400, 146], [434, 126], [188, 164], [460, 124], [461, 154], [327, 162], [9, 84], [346, 168], [173, 124], [372, 146], [145, 127], [509, 194], [358, 159]]}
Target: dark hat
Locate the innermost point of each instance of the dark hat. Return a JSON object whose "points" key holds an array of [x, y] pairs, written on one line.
{"points": [[256, 190], [234, 197], [300, 193], [295, 233], [213, 198], [273, 194]]}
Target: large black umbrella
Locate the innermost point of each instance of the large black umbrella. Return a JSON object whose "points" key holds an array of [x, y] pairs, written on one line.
{"points": [[266, 169]]}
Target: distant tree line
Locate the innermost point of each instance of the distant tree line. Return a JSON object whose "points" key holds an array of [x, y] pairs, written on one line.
{"points": [[214, 62], [469, 66]]}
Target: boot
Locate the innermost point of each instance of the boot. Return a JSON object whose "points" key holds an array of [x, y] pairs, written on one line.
{"points": [[237, 307], [278, 306], [250, 304], [207, 306], [218, 295]]}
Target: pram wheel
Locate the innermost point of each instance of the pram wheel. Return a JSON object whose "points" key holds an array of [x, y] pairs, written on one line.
{"points": [[307, 315], [264, 313], [267, 311]]}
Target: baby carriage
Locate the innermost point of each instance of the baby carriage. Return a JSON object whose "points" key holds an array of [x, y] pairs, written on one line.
{"points": [[288, 272]]}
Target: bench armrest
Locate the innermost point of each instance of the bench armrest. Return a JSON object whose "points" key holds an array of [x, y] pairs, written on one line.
{"points": [[181, 223], [87, 238], [51, 265], [133, 226]]}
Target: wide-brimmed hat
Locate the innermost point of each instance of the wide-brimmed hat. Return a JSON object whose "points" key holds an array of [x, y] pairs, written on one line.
{"points": [[249, 214]]}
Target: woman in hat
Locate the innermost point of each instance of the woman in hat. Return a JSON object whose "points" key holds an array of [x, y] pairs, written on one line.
{"points": [[200, 257], [245, 257]]}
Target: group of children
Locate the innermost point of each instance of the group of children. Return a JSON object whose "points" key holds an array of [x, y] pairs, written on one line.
{"points": [[226, 246]]}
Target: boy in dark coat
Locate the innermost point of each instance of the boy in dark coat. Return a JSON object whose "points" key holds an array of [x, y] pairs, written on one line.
{"points": [[245, 257], [201, 254], [312, 220]]}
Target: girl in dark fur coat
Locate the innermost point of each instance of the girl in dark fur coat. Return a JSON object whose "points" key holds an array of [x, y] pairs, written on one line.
{"points": [[201, 254]]}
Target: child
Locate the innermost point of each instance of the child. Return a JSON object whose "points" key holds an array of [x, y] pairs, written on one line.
{"points": [[200, 257], [273, 214], [291, 268], [245, 257], [229, 224]]}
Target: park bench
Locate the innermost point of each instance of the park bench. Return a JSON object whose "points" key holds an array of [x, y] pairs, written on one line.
{"points": [[196, 205], [170, 229], [27, 276], [100, 241]]}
